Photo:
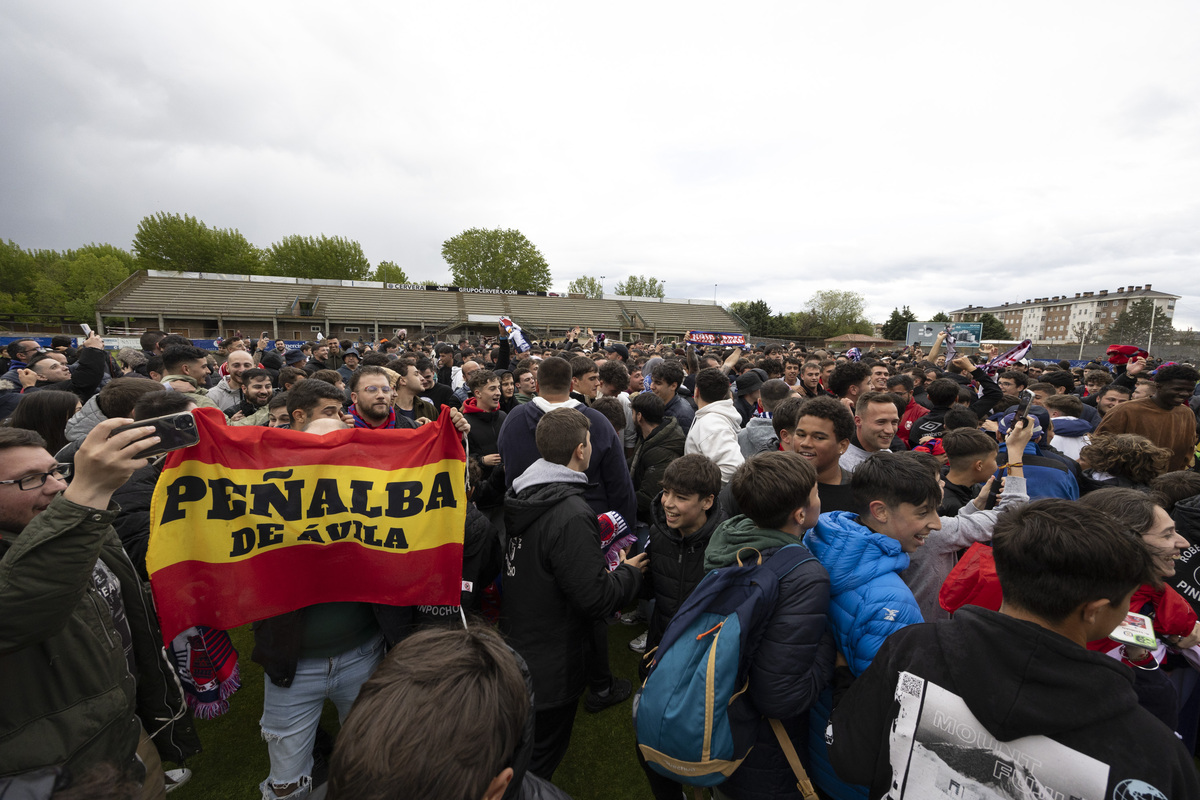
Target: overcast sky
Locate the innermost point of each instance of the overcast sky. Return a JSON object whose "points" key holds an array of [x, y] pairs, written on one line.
{"points": [[929, 154]]}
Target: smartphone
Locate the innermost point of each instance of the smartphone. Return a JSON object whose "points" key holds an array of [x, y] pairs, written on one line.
{"points": [[263, 335], [1023, 400], [175, 432], [87, 329]]}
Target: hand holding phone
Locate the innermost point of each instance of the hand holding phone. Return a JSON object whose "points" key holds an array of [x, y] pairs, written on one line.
{"points": [[1024, 399], [174, 432]]}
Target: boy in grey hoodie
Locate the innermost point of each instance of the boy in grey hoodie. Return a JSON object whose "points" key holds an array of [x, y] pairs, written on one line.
{"points": [[556, 581]]}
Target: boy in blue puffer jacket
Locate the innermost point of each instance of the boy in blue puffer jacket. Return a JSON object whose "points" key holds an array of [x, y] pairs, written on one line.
{"points": [[897, 499]]}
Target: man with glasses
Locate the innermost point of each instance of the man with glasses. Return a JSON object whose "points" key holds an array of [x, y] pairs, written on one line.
{"points": [[80, 646], [19, 354]]}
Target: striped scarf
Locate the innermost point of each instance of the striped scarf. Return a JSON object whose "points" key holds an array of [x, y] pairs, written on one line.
{"points": [[359, 422]]}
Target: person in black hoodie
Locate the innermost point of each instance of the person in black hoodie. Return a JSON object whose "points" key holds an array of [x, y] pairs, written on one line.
{"points": [[1012, 701], [659, 443], [943, 393], [482, 410], [556, 581], [684, 515]]}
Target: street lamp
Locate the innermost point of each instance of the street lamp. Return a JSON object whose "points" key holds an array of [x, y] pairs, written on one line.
{"points": [[601, 285], [714, 294]]}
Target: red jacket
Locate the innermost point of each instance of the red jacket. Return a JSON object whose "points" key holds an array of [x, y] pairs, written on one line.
{"points": [[912, 412]]}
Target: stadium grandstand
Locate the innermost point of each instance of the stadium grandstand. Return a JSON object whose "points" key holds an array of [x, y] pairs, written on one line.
{"points": [[205, 305]]}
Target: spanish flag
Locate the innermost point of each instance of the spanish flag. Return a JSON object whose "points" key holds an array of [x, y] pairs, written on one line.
{"points": [[254, 522]]}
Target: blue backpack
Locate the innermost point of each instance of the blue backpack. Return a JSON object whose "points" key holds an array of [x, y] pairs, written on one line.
{"points": [[694, 721]]}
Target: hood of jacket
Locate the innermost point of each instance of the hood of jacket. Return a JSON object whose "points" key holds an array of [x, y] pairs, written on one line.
{"points": [[716, 516], [666, 434], [851, 553], [542, 471], [1015, 691], [1187, 518], [470, 406], [723, 410], [546, 406], [81, 424], [540, 488], [1071, 427], [740, 532]]}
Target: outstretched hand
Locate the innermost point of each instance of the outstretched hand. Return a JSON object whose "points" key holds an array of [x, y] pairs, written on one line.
{"points": [[1019, 436], [106, 460], [641, 561]]}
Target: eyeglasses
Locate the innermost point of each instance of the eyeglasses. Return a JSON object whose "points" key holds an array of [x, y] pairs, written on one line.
{"points": [[373, 389], [38, 480]]}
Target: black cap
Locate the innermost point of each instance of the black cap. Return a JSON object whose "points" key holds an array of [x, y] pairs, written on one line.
{"points": [[619, 349]]}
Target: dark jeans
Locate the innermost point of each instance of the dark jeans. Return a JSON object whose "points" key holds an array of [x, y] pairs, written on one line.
{"points": [[595, 650], [551, 737]]}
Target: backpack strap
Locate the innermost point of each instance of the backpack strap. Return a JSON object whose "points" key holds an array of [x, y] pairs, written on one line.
{"points": [[783, 562], [803, 784], [738, 556]]}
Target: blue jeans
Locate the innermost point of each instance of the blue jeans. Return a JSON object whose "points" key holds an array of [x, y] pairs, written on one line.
{"points": [[290, 715]]}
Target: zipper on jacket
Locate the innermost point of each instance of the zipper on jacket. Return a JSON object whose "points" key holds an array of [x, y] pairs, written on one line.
{"points": [[147, 603]]}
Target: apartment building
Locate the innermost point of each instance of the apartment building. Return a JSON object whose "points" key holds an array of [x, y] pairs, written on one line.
{"points": [[1047, 320]]}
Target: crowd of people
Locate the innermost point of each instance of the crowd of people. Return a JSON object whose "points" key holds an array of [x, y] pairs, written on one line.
{"points": [[965, 552]]}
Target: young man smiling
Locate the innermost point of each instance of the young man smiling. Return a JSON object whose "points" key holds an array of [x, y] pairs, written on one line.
{"points": [[810, 380], [820, 430], [1165, 418], [684, 516], [864, 552], [876, 420]]}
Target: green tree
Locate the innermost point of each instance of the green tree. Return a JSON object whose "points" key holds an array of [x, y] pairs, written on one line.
{"points": [[72, 286], [185, 244], [1133, 326], [638, 286], [18, 270], [389, 272], [993, 328], [496, 259], [835, 313], [50, 283], [896, 327], [324, 257], [940, 316], [756, 314], [586, 286]]}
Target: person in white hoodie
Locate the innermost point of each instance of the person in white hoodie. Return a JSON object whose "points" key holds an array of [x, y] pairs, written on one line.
{"points": [[714, 431], [1071, 433]]}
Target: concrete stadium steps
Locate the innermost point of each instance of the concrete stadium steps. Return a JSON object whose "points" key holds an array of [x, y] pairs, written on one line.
{"points": [[233, 299], [255, 300], [684, 316]]}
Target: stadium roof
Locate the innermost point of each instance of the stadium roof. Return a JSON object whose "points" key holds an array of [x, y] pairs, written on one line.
{"points": [[161, 295]]}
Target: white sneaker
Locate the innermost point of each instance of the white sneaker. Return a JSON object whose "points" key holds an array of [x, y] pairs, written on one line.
{"points": [[174, 778], [638, 645]]}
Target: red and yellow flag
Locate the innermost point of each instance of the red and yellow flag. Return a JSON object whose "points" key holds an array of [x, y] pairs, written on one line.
{"points": [[255, 522]]}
